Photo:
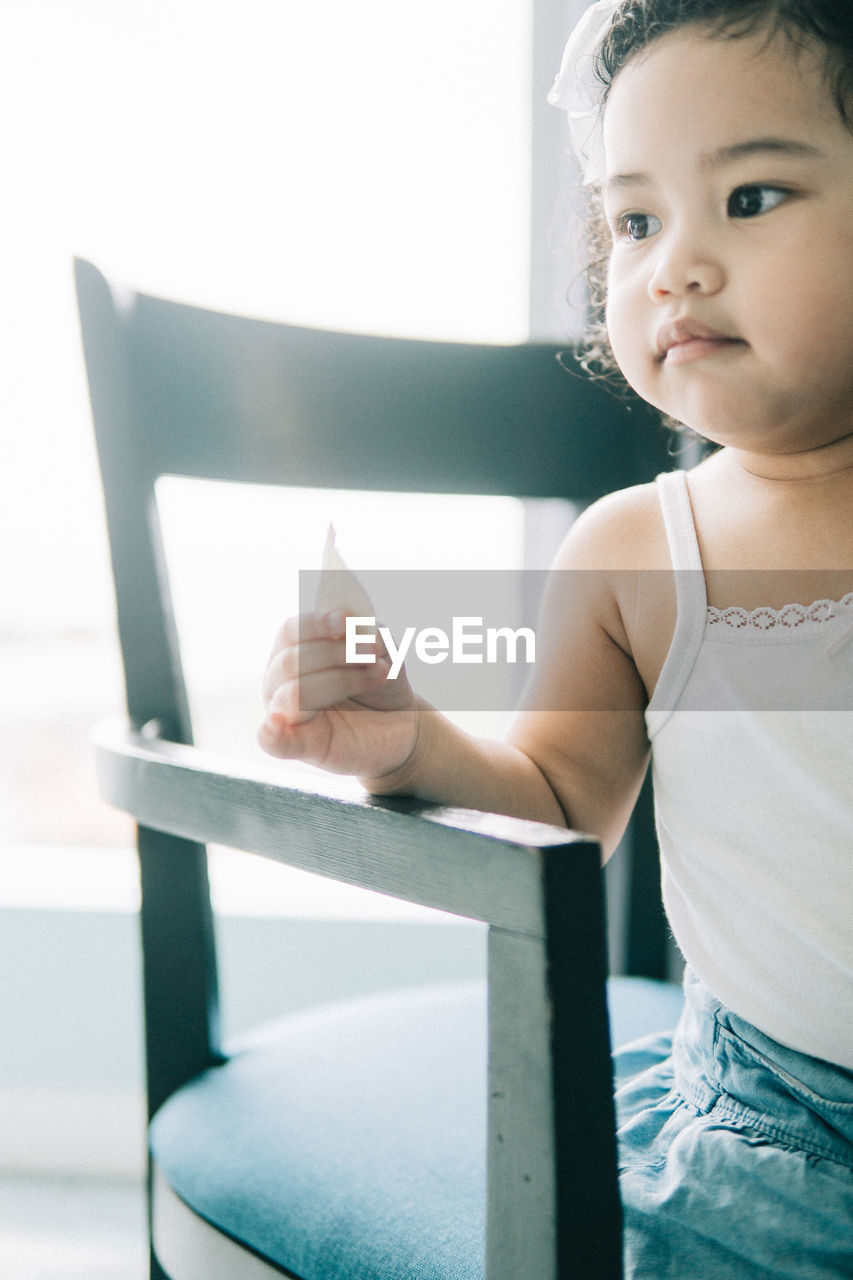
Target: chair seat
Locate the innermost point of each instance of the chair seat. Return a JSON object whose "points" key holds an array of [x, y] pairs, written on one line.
{"points": [[374, 1168]]}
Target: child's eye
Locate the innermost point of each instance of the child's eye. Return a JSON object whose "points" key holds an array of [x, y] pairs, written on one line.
{"points": [[749, 202], [638, 226]]}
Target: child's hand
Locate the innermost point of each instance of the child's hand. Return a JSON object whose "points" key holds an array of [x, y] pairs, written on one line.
{"points": [[345, 717]]}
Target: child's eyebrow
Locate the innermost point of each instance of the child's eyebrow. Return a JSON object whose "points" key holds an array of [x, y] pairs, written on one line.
{"points": [[723, 156], [756, 146]]}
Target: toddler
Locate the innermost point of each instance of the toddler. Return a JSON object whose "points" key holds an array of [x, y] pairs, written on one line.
{"points": [[716, 633]]}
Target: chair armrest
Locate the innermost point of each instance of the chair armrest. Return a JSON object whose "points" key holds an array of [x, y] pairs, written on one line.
{"points": [[423, 853], [552, 1190]]}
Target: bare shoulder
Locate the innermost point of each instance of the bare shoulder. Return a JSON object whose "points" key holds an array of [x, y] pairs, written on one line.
{"points": [[632, 595], [623, 530]]}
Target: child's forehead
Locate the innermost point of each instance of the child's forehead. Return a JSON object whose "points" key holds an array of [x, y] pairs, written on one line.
{"points": [[696, 89]]}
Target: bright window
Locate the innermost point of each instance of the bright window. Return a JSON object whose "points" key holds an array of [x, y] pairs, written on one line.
{"points": [[347, 165]]}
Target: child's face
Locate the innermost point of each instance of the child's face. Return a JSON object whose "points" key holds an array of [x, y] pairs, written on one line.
{"points": [[729, 194]]}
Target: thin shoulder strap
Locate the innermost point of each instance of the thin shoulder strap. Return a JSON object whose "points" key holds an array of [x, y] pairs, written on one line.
{"points": [[691, 597], [678, 520]]}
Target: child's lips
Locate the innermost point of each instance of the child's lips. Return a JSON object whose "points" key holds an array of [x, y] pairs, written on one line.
{"points": [[682, 341]]}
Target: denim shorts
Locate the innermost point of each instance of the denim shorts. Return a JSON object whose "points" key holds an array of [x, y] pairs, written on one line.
{"points": [[736, 1154]]}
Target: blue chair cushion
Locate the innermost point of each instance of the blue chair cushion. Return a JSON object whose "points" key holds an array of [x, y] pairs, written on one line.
{"points": [[639, 1006], [353, 1146]]}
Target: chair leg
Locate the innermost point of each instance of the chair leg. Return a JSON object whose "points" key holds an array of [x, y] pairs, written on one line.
{"points": [[155, 1271]]}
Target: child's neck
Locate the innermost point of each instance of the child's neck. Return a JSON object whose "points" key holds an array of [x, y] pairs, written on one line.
{"points": [[834, 459], [776, 511]]}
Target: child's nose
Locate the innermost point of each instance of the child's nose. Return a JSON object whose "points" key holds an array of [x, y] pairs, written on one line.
{"points": [[685, 266]]}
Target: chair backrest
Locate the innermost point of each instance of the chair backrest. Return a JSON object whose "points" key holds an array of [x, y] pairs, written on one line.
{"points": [[185, 391]]}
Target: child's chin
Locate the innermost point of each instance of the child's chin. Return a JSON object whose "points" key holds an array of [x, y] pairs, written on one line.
{"points": [[714, 414]]}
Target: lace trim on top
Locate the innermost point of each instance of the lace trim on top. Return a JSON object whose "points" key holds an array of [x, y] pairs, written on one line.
{"points": [[792, 617]]}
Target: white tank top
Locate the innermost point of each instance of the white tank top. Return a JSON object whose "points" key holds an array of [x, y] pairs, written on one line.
{"points": [[751, 724]]}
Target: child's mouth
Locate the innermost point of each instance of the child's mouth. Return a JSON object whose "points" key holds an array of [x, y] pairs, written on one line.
{"points": [[698, 349], [683, 341]]}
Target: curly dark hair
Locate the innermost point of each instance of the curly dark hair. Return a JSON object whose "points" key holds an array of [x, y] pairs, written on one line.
{"points": [[637, 24]]}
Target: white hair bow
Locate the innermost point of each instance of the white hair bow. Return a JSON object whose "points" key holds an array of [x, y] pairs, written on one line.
{"points": [[579, 91]]}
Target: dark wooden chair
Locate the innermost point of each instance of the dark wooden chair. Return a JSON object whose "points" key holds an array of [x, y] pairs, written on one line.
{"points": [[438, 1133]]}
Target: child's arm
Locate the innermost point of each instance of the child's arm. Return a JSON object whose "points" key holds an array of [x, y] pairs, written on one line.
{"points": [[576, 752]]}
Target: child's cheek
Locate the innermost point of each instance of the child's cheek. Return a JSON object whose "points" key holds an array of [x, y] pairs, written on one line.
{"points": [[625, 331]]}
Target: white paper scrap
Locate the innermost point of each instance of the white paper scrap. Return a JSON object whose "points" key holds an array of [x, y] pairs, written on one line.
{"points": [[338, 587]]}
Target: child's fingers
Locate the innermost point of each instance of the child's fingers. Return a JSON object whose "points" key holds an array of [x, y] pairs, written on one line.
{"points": [[312, 626], [279, 737], [298, 662], [305, 628], [309, 644], [299, 698]]}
